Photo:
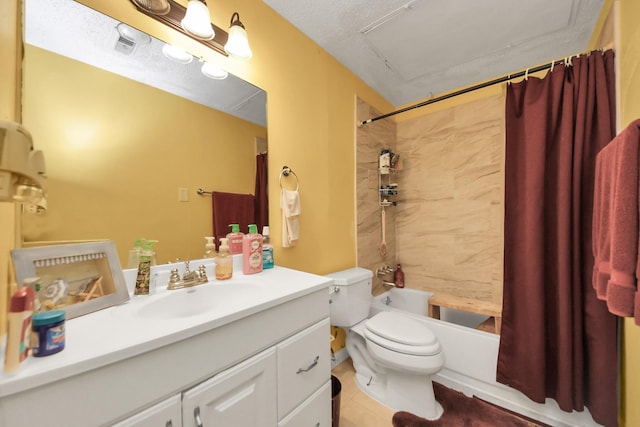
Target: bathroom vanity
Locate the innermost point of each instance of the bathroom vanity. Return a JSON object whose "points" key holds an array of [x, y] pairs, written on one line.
{"points": [[249, 351]]}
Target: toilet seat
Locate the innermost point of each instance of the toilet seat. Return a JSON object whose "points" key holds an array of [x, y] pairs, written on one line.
{"points": [[401, 333]]}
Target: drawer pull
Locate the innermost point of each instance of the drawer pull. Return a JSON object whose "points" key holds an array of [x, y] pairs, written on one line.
{"points": [[196, 416], [310, 367]]}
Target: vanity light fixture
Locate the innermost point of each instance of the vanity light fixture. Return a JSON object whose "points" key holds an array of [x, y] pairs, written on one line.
{"points": [[213, 71], [176, 54], [219, 37], [157, 7], [238, 42], [22, 170], [197, 21]]}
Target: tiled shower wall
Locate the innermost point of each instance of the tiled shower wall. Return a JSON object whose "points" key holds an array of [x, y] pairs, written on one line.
{"points": [[449, 219], [371, 139]]}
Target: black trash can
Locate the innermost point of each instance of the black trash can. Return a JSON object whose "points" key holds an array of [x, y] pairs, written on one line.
{"points": [[336, 389]]}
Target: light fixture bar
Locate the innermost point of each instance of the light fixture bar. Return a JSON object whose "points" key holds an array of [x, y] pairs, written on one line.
{"points": [[173, 19]]}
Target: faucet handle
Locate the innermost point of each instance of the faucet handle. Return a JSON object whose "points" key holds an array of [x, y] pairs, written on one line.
{"points": [[202, 274]]}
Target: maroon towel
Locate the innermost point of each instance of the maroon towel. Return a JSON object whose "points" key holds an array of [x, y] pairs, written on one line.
{"points": [[616, 215], [231, 208]]}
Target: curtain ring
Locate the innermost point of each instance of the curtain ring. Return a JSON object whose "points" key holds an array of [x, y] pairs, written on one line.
{"points": [[553, 63], [526, 74]]}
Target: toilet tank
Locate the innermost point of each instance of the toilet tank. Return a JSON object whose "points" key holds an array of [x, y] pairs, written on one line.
{"points": [[350, 296]]}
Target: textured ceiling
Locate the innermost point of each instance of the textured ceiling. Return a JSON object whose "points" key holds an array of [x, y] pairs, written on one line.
{"points": [[411, 50], [78, 32]]}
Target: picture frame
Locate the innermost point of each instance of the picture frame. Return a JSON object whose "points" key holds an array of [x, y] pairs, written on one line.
{"points": [[78, 278]]}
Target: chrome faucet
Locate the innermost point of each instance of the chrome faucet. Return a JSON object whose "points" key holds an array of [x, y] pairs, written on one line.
{"points": [[189, 278], [384, 270], [387, 300]]}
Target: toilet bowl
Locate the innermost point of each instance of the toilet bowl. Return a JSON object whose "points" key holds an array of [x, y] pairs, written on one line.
{"points": [[394, 354]]}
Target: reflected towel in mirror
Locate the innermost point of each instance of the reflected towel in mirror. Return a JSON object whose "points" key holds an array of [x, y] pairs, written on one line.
{"points": [[231, 208]]}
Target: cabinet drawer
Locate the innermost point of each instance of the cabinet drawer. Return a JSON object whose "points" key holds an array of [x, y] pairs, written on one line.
{"points": [[303, 366], [243, 395], [167, 413], [314, 412]]}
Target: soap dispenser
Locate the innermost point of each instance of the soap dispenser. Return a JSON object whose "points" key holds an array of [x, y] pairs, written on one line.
{"points": [[209, 248], [235, 239], [252, 251], [134, 253], [224, 262]]}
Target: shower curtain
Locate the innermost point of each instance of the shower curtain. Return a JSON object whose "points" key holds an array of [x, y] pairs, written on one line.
{"points": [[558, 340], [262, 197]]}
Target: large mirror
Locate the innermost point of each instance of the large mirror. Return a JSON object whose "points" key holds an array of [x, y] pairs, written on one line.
{"points": [[130, 135]]}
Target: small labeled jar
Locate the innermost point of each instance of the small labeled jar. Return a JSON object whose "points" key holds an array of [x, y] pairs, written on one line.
{"points": [[47, 333]]}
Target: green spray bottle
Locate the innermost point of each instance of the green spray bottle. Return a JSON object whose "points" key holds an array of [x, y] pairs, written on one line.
{"points": [[134, 253]]}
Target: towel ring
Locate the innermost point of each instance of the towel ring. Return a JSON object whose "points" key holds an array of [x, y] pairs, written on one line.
{"points": [[286, 170]]}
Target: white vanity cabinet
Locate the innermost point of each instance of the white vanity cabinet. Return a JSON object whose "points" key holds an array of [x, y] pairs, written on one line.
{"points": [[265, 365]]}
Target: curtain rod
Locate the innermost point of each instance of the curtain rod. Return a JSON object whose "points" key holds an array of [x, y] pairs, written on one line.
{"points": [[502, 79]]}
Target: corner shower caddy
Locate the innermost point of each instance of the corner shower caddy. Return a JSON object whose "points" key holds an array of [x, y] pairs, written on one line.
{"points": [[387, 190]]}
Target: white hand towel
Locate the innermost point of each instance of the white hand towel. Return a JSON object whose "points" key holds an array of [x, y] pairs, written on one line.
{"points": [[291, 209]]}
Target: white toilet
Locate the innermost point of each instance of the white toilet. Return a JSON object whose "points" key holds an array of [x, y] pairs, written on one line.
{"points": [[394, 354]]}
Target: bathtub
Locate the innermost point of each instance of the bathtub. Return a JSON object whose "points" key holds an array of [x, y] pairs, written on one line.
{"points": [[471, 358]]}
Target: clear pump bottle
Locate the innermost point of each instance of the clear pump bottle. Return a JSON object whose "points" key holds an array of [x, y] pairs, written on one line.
{"points": [[134, 253], [209, 248], [224, 262]]}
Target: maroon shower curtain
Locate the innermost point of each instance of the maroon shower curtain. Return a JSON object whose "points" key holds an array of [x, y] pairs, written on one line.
{"points": [[558, 340], [262, 198]]}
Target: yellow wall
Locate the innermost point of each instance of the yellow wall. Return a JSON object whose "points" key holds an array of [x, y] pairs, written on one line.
{"points": [[117, 151], [629, 93]]}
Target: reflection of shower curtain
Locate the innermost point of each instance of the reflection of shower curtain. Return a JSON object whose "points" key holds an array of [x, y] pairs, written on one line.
{"points": [[261, 192], [557, 339]]}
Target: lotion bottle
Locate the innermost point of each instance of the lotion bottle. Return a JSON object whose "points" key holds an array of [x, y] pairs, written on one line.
{"points": [[224, 262], [252, 251], [234, 239], [19, 328]]}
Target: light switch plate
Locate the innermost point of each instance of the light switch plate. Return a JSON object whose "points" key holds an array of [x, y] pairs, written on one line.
{"points": [[183, 194]]}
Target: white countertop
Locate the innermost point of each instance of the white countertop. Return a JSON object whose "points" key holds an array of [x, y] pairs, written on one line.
{"points": [[116, 333]]}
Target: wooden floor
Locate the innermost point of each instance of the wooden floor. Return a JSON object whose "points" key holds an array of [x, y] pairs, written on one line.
{"points": [[356, 408]]}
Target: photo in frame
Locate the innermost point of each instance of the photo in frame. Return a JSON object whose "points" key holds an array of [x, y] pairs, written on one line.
{"points": [[78, 278]]}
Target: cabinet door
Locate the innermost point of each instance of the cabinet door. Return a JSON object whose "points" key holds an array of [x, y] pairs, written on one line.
{"points": [[313, 412], [167, 413], [244, 395], [304, 365]]}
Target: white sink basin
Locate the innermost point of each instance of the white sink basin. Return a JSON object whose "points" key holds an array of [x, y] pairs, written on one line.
{"points": [[197, 300]]}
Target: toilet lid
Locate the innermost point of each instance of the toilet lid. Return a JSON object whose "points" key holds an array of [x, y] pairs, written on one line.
{"points": [[401, 333]]}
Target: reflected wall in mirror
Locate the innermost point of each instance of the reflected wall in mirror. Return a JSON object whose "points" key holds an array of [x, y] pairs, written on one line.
{"points": [[120, 153]]}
